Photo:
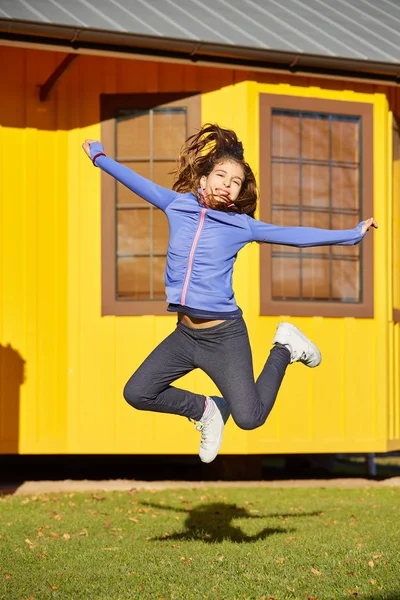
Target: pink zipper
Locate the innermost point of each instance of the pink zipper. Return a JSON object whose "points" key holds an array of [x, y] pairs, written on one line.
{"points": [[193, 248]]}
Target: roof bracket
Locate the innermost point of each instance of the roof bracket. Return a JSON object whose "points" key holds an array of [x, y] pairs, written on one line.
{"points": [[46, 88]]}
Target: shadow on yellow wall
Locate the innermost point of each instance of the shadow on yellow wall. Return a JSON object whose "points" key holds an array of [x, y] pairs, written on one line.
{"points": [[74, 101], [12, 375]]}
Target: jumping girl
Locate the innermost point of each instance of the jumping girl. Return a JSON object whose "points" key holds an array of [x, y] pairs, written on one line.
{"points": [[210, 212]]}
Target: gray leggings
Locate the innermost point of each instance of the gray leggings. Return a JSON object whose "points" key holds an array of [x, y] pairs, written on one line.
{"points": [[223, 352]]}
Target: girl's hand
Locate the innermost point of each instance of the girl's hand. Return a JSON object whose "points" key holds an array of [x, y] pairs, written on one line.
{"points": [[369, 223], [86, 146]]}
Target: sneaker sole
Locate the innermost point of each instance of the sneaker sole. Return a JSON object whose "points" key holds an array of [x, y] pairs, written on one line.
{"points": [[306, 339]]}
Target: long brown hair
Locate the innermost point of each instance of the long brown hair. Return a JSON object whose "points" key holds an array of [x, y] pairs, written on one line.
{"points": [[199, 155]]}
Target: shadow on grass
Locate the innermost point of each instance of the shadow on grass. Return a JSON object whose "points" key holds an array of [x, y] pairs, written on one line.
{"points": [[213, 523]]}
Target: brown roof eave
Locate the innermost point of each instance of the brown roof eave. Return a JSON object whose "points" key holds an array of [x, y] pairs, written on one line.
{"points": [[77, 39]]}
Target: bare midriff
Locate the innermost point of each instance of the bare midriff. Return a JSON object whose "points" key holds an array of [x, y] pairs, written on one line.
{"points": [[197, 323]]}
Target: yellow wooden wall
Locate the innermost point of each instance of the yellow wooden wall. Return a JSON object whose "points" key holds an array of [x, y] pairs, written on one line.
{"points": [[33, 289], [75, 361]]}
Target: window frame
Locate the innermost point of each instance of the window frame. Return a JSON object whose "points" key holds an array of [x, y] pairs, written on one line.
{"points": [[307, 308], [109, 104]]}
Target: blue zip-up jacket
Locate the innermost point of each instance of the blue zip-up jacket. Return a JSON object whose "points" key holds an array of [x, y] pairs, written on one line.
{"points": [[204, 243]]}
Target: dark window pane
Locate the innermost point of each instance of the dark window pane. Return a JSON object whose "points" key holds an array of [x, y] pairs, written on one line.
{"points": [[285, 135], [345, 140], [133, 136], [344, 220], [315, 138], [133, 278], [133, 227], [169, 131], [345, 188], [315, 185], [286, 277], [316, 278], [285, 217], [345, 280], [285, 183], [318, 219], [162, 173]]}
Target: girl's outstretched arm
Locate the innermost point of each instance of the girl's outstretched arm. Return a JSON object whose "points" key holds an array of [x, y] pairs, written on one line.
{"points": [[303, 237], [148, 190]]}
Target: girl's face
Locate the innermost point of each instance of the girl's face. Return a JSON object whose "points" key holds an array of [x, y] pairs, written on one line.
{"points": [[225, 181]]}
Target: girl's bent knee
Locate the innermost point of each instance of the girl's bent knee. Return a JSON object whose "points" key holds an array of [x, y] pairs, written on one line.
{"points": [[132, 397], [248, 423]]}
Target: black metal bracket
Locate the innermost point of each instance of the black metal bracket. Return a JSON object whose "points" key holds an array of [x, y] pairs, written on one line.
{"points": [[46, 88]]}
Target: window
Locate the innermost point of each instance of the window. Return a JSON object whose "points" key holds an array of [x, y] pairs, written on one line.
{"points": [[316, 171], [396, 218], [144, 133]]}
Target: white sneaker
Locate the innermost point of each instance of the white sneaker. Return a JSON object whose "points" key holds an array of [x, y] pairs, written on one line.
{"points": [[212, 429], [300, 347]]}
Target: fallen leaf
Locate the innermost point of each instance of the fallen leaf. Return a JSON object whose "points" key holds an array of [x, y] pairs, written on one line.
{"points": [[371, 564], [53, 587], [83, 532], [8, 576], [57, 517], [280, 560], [30, 544], [54, 535], [221, 558], [373, 581], [133, 519], [95, 497], [66, 536], [315, 571], [353, 592]]}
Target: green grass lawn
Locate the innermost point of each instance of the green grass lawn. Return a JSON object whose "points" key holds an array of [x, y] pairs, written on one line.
{"points": [[193, 544]]}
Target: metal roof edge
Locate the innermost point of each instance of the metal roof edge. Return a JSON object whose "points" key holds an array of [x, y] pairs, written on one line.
{"points": [[85, 40]]}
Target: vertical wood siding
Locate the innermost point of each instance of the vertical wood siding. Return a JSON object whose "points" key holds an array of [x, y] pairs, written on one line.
{"points": [[69, 364]]}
